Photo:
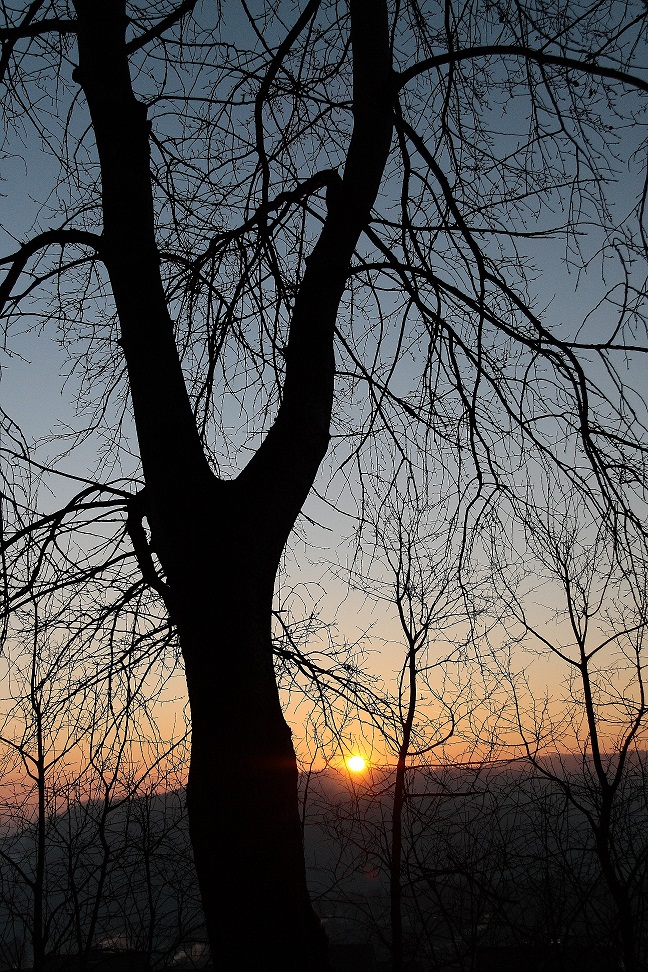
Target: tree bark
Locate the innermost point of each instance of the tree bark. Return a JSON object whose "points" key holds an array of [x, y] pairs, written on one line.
{"points": [[220, 543]]}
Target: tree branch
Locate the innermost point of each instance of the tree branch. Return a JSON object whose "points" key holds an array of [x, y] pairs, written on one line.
{"points": [[53, 25], [307, 14], [18, 260], [173, 460], [280, 481], [513, 50], [9, 35], [136, 512], [153, 32], [306, 188]]}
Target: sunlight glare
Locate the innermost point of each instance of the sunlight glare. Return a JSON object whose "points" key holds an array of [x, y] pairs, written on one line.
{"points": [[356, 764]]}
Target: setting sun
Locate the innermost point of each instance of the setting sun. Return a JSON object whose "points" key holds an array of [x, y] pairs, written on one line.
{"points": [[356, 764]]}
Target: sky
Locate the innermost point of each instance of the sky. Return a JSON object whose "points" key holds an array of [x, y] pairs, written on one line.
{"points": [[38, 391]]}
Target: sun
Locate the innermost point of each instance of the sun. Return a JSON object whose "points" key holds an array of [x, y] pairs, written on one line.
{"points": [[356, 764]]}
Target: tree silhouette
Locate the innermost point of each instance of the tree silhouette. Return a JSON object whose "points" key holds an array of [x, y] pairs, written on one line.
{"points": [[265, 228], [597, 635]]}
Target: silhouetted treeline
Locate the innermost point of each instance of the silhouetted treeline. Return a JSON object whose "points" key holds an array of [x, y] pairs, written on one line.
{"points": [[499, 868]]}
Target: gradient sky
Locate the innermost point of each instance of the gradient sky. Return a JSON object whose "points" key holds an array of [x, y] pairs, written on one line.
{"points": [[37, 390]]}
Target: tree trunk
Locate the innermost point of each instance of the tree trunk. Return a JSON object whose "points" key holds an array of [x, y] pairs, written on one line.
{"points": [[603, 830], [242, 791], [38, 929], [400, 793], [620, 895]]}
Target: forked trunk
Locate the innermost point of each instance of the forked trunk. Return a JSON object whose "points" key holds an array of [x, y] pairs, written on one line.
{"points": [[220, 543]]}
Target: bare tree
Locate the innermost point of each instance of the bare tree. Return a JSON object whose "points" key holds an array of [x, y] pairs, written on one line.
{"points": [[73, 761], [589, 745], [438, 610], [241, 266]]}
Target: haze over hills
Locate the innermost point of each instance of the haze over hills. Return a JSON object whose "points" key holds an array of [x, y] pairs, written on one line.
{"points": [[493, 856]]}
